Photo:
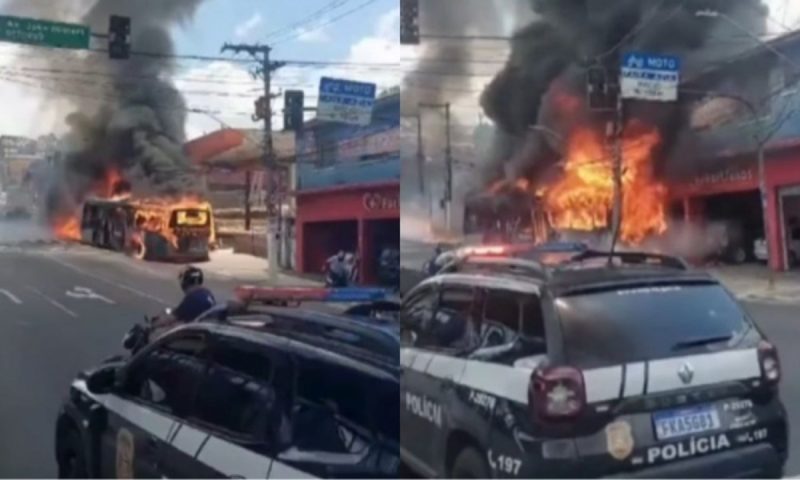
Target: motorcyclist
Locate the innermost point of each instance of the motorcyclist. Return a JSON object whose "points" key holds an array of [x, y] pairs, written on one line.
{"points": [[197, 299], [338, 271]]}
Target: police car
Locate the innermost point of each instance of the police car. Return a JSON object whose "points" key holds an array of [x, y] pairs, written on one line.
{"points": [[632, 365], [248, 391]]}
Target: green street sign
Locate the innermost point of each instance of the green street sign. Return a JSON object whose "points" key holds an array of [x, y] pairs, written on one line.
{"points": [[43, 33]]}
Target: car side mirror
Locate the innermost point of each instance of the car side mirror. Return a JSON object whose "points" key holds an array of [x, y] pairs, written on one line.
{"points": [[102, 381]]}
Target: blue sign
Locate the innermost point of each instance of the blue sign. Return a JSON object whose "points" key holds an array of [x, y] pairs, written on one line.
{"points": [[647, 76], [345, 101]]}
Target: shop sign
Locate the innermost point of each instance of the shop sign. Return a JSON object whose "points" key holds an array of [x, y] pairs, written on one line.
{"points": [[725, 176], [383, 142], [378, 202]]}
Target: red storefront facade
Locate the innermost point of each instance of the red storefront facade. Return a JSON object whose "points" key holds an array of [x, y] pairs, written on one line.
{"points": [[363, 218], [782, 178]]}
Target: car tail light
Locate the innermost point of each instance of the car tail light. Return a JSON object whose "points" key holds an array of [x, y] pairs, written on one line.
{"points": [[556, 393], [770, 365]]}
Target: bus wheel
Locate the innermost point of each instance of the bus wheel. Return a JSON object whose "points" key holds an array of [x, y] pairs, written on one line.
{"points": [[139, 251]]}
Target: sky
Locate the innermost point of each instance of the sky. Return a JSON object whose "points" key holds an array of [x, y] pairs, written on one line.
{"points": [[352, 31], [355, 31]]}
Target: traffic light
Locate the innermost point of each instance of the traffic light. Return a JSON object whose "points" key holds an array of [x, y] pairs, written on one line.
{"points": [[293, 110], [119, 32], [409, 22], [598, 89]]}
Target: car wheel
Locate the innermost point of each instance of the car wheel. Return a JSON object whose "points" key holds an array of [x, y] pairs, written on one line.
{"points": [[739, 256], [71, 458], [470, 463]]}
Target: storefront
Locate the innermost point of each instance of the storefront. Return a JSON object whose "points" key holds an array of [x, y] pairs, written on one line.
{"points": [[734, 192], [362, 218]]}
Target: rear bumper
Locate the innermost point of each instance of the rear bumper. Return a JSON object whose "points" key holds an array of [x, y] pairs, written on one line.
{"points": [[756, 461]]}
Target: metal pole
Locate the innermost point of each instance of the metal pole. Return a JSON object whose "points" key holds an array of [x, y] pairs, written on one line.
{"points": [[449, 167], [248, 186], [420, 156], [269, 161], [616, 218]]}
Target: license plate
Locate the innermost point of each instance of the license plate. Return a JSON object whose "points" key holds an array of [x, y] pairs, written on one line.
{"points": [[686, 421]]}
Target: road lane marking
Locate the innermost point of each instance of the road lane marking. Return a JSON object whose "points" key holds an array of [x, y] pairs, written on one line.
{"points": [[87, 293], [110, 282], [54, 303], [11, 296]]}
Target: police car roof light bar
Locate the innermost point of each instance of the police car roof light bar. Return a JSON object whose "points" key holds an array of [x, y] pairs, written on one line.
{"points": [[249, 293]]}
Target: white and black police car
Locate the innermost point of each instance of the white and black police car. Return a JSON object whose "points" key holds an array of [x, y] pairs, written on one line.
{"points": [[606, 365], [247, 391]]}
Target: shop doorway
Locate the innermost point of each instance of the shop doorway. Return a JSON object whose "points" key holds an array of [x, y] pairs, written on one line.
{"points": [[734, 224], [790, 221], [323, 239], [382, 255]]}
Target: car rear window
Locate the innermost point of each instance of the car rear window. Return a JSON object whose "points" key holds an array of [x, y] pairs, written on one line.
{"points": [[618, 326]]}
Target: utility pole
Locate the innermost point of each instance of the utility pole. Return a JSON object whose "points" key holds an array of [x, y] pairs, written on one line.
{"points": [[448, 196], [448, 153], [616, 216], [420, 156], [261, 53]]}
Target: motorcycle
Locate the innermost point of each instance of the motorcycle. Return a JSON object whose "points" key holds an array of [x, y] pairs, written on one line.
{"points": [[137, 337]]}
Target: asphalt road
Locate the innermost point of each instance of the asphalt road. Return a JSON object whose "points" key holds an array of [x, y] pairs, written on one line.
{"points": [[65, 309], [50, 329]]}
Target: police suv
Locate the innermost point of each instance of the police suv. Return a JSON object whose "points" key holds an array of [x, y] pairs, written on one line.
{"points": [[606, 365], [254, 391]]}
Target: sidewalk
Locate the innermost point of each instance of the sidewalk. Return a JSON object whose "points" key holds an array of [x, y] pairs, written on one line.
{"points": [[751, 282], [248, 268]]}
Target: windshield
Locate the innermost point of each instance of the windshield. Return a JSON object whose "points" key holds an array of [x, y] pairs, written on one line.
{"points": [[190, 218], [620, 326]]}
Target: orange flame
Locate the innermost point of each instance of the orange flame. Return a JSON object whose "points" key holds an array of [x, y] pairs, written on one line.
{"points": [[582, 199], [67, 228]]}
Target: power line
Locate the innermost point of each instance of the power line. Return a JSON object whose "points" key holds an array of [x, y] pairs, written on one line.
{"points": [[335, 19], [468, 38], [307, 19]]}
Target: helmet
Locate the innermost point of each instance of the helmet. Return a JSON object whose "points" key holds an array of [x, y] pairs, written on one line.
{"points": [[190, 277]]}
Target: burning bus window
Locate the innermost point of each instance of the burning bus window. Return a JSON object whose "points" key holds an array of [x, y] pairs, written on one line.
{"points": [[189, 218]]}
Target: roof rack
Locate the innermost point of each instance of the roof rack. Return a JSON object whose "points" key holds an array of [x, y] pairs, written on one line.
{"points": [[633, 258], [495, 264]]}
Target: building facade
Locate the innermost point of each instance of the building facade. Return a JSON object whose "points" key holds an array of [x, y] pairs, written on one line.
{"points": [[347, 190], [743, 106]]}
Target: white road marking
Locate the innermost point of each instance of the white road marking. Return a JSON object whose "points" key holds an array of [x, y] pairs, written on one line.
{"points": [[110, 282], [54, 303], [11, 296], [88, 294]]}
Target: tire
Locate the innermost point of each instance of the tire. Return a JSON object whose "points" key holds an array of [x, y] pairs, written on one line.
{"points": [[470, 463], [738, 256], [72, 458], [138, 250]]}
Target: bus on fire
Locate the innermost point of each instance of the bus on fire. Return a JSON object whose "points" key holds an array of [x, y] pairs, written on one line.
{"points": [[150, 230]]}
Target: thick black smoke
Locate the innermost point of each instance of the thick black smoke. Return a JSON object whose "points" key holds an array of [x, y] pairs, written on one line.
{"points": [[549, 58], [137, 127]]}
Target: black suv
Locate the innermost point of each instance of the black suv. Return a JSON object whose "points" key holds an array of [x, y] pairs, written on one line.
{"points": [[607, 365], [245, 392]]}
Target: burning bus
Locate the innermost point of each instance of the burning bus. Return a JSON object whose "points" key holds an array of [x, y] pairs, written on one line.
{"points": [[150, 229]]}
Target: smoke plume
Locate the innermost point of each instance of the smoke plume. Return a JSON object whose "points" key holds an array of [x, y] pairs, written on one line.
{"points": [[544, 79], [135, 123]]}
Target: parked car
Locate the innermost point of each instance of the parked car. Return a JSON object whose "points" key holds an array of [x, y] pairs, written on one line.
{"points": [[792, 247]]}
